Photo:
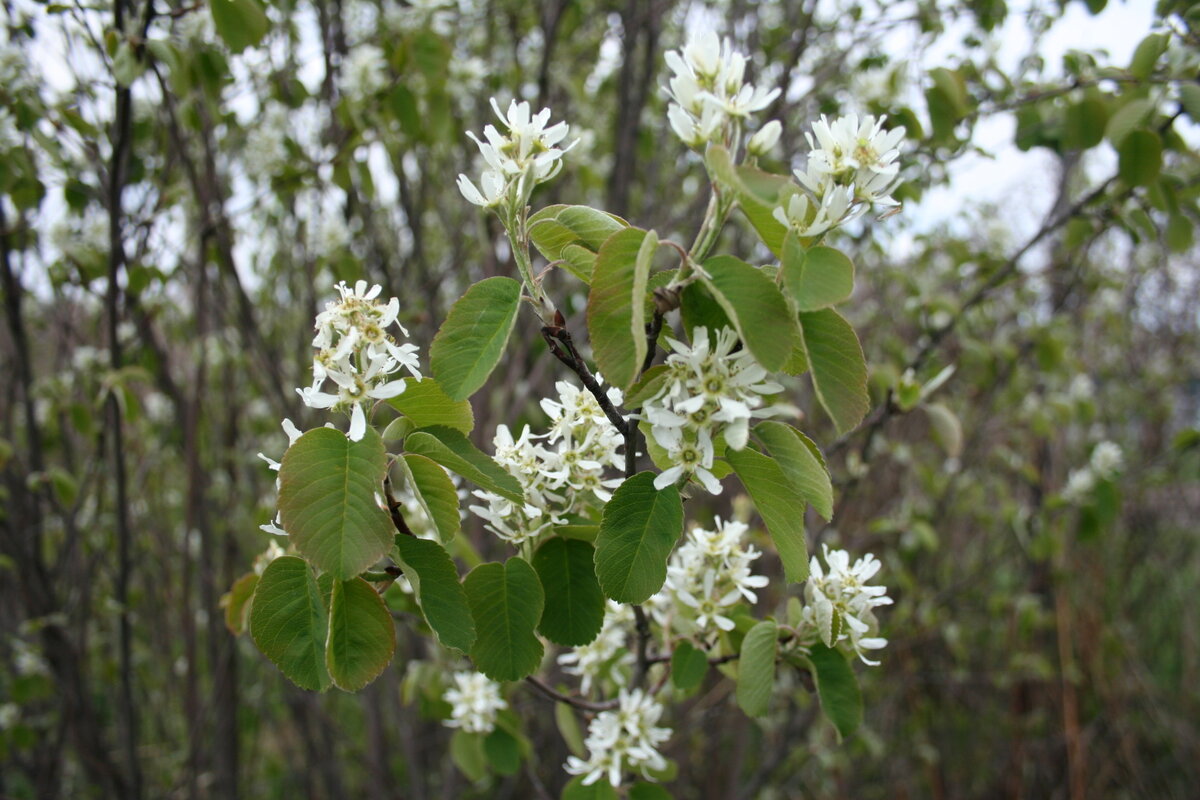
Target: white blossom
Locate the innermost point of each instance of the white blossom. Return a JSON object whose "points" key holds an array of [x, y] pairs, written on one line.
{"points": [[358, 355], [604, 656], [1106, 460], [839, 602], [474, 700], [1080, 483], [626, 738]]}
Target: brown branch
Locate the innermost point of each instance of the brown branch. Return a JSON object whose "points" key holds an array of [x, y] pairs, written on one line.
{"points": [[576, 702]]}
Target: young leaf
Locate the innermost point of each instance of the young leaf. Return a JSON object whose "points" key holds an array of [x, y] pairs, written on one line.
{"points": [[434, 492], [503, 752], [506, 603], [439, 594], [817, 278], [455, 452], [466, 751], [756, 668], [327, 490], [755, 306], [240, 23], [800, 461], [362, 637], [426, 403], [839, 370], [574, 608], [237, 603], [775, 498], [470, 342], [615, 310], [593, 227], [688, 666], [757, 193], [288, 622], [841, 699], [637, 531]]}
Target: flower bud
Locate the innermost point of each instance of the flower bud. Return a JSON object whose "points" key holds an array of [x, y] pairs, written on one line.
{"points": [[767, 137]]}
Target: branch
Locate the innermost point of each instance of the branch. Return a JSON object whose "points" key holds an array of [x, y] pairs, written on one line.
{"points": [[575, 702], [558, 339]]}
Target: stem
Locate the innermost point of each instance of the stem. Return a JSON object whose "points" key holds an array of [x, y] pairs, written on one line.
{"points": [[575, 702]]}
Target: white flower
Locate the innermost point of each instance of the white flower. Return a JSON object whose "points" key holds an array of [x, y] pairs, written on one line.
{"points": [[839, 602], [765, 139], [709, 573], [358, 355], [624, 739], [1079, 485], [474, 701], [1107, 459], [708, 91], [528, 154], [604, 656]]}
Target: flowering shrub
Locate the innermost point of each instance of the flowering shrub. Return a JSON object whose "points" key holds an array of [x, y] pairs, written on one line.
{"points": [[601, 565]]}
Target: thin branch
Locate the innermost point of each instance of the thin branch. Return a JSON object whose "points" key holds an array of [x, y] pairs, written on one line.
{"points": [[575, 702]]}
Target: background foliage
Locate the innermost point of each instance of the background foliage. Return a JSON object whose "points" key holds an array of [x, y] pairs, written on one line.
{"points": [[181, 185]]}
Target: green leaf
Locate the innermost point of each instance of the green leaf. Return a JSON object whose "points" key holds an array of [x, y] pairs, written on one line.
{"points": [[1084, 124], [757, 193], [568, 728], [426, 403], [817, 278], [1126, 119], [455, 452], [593, 227], [756, 668], [801, 462], [1146, 55], [362, 637], [237, 603], [775, 498], [1140, 158], [688, 666], [755, 306], [574, 608], [650, 384], [837, 687], [506, 602], [615, 312], [240, 23], [947, 430], [327, 490], [648, 791], [637, 531], [503, 752], [1189, 98], [466, 751], [839, 370], [439, 594], [600, 790], [699, 309], [1180, 233], [435, 493], [288, 622], [470, 342]]}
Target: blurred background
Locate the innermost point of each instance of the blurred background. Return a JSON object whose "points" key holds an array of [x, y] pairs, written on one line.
{"points": [[182, 184]]}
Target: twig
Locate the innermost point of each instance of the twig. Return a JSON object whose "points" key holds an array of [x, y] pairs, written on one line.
{"points": [[394, 510], [576, 702], [559, 340]]}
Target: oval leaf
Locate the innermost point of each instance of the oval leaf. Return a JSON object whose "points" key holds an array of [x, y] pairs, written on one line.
{"points": [[756, 668], [574, 608], [425, 403], [615, 307], [362, 637], [817, 278], [839, 369], [441, 597], [688, 666], [237, 603], [637, 531], [288, 622], [841, 699], [506, 603], [801, 462], [1140, 158], [435, 493], [327, 490], [775, 498], [470, 342], [455, 452], [755, 306]]}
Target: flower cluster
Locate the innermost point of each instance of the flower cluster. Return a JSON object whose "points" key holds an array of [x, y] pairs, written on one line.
{"points": [[708, 390], [624, 739], [603, 656], [852, 167], [474, 701], [559, 471], [709, 573], [839, 604], [358, 355], [293, 433], [518, 161], [711, 97], [1105, 463]]}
